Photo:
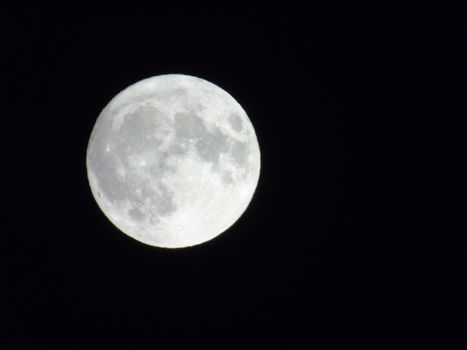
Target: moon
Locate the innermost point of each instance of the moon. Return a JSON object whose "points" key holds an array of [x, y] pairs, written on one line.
{"points": [[173, 161]]}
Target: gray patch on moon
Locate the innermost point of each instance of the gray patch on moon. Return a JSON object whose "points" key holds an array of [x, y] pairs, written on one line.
{"points": [[211, 145], [163, 200], [171, 93], [161, 163], [179, 148], [159, 198], [227, 177], [136, 135], [107, 177], [136, 214], [239, 152], [189, 126], [136, 191], [235, 122]]}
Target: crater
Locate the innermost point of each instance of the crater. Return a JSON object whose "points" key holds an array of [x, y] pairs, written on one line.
{"points": [[227, 177], [136, 214]]}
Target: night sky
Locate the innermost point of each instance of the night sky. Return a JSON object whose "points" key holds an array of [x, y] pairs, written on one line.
{"points": [[320, 257]]}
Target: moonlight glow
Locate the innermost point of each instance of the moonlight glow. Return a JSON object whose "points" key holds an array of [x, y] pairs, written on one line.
{"points": [[173, 161]]}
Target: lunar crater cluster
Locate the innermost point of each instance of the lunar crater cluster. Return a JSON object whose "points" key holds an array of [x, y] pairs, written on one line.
{"points": [[173, 161]]}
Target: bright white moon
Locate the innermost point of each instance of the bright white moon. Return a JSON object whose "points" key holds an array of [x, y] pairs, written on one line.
{"points": [[173, 161]]}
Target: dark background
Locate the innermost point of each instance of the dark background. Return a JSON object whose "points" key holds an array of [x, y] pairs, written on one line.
{"points": [[320, 258]]}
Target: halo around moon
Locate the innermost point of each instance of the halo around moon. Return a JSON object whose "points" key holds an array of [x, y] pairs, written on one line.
{"points": [[173, 161]]}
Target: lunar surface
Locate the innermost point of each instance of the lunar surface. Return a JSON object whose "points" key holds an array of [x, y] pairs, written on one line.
{"points": [[173, 161]]}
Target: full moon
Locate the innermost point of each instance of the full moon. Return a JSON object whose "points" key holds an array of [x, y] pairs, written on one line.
{"points": [[173, 161]]}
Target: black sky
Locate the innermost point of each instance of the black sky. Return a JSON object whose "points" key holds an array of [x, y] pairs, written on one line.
{"points": [[320, 257]]}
